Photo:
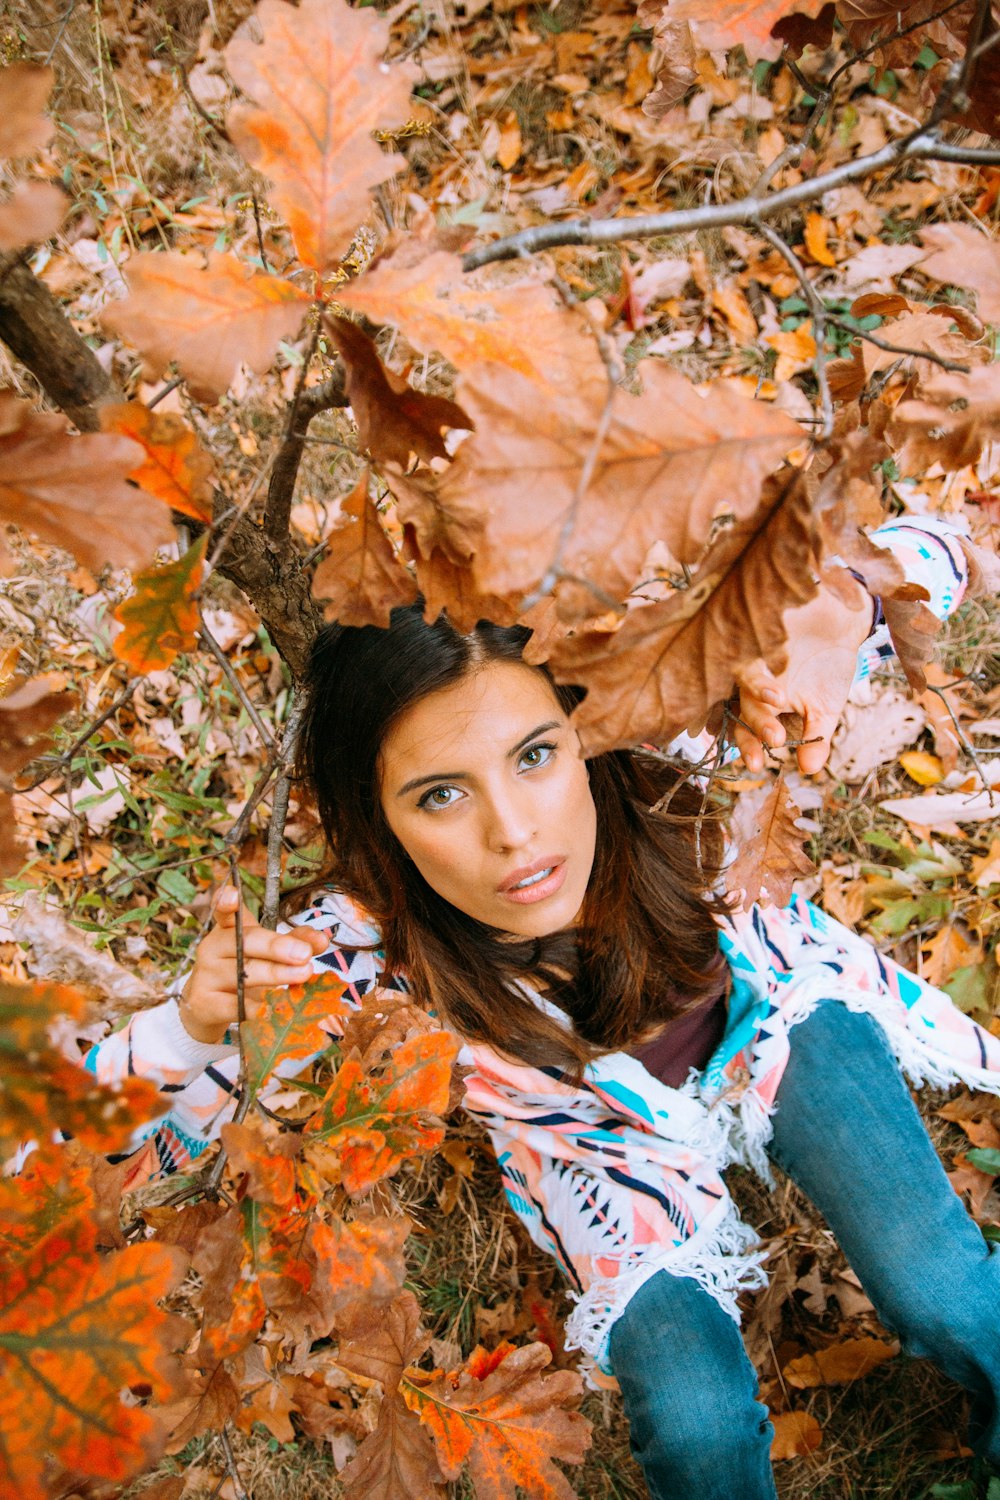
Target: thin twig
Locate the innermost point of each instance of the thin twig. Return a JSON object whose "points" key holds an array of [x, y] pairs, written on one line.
{"points": [[164, 390], [67, 755], [62, 22], [238, 832], [963, 739], [279, 813], [819, 317], [197, 105], [229, 673], [922, 145], [234, 1473], [212, 1181], [306, 404], [901, 349], [260, 232]]}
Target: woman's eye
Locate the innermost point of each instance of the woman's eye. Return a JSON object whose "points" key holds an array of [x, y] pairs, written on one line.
{"points": [[537, 755], [439, 796]]}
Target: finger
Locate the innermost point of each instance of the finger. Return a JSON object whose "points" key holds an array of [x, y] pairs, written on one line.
{"points": [[226, 904], [761, 720], [760, 682], [276, 947], [261, 974], [750, 748], [819, 730]]}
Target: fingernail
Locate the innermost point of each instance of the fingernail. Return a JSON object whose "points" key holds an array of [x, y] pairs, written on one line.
{"points": [[297, 952]]}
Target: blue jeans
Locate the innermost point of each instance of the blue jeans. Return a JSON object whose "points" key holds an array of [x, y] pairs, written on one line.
{"points": [[848, 1134]]}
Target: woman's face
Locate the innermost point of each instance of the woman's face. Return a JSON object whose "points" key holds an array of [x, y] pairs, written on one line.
{"points": [[484, 785]]}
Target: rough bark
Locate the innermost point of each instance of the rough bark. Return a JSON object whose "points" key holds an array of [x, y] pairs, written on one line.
{"points": [[37, 331]]}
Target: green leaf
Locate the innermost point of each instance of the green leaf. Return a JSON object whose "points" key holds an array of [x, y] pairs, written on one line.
{"points": [[984, 1159], [969, 988], [175, 885]]}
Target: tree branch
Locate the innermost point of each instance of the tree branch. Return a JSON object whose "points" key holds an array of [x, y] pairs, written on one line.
{"points": [[819, 317], [901, 349], [281, 486], [923, 145], [38, 332]]}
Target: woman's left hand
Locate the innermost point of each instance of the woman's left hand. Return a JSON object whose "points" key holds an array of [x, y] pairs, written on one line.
{"points": [[823, 640]]}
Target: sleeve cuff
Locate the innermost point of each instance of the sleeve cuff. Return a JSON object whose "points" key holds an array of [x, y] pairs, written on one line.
{"points": [[160, 1036]]}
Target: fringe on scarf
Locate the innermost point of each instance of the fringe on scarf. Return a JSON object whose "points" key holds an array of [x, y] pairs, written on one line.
{"points": [[722, 1258]]}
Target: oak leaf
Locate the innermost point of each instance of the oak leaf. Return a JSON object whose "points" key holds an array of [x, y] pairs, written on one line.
{"points": [[289, 1024], [322, 89], [360, 579], [267, 1164], [394, 421], [449, 586], [796, 1434], [671, 663], [507, 1427], [838, 1363], [984, 869], [72, 491], [949, 422], [366, 1126], [769, 847], [161, 616], [37, 1084], [77, 1329], [721, 24], [208, 320], [362, 1258], [209, 1403], [398, 1458], [671, 61], [588, 481], [439, 307], [24, 92], [33, 212], [964, 256], [48, 1189], [176, 468]]}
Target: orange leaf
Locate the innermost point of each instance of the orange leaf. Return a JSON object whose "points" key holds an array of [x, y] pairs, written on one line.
{"points": [[33, 212], [394, 421], [360, 579], [672, 662], [72, 490], [208, 321], [290, 1024], [669, 464], [24, 92], [38, 1085], [769, 846], [161, 617], [438, 306], [366, 1126], [268, 1164], [817, 232], [796, 1434], [75, 1331], [322, 89], [176, 468], [360, 1259], [945, 951], [838, 1363], [508, 1427], [721, 24]]}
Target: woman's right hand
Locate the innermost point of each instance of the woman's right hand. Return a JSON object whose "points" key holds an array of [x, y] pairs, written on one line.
{"points": [[208, 1005]]}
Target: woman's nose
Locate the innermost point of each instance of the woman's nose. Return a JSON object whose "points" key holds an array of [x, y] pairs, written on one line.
{"points": [[511, 823]]}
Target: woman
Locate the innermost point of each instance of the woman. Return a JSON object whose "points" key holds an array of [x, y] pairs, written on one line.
{"points": [[626, 1036]]}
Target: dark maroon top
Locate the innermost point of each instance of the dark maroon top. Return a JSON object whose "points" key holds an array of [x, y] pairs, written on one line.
{"points": [[685, 1043]]}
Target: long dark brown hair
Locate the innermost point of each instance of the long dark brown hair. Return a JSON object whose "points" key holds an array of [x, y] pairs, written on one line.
{"points": [[647, 947]]}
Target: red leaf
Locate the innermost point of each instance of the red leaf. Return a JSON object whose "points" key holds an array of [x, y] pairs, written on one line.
{"points": [[360, 579]]}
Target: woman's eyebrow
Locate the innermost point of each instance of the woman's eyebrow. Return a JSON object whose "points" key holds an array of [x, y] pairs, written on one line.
{"points": [[418, 781]]}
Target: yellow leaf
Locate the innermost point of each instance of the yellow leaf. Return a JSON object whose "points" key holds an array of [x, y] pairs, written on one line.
{"points": [[817, 230], [922, 767], [796, 1433], [839, 1363]]}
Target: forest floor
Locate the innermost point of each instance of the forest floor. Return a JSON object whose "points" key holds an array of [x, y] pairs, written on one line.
{"points": [[132, 849]]}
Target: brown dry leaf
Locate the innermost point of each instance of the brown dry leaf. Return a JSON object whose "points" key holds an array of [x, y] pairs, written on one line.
{"points": [[507, 1426], [322, 89], [839, 1363], [671, 663], [913, 630], [917, 333], [33, 212], [945, 951], [672, 60], [872, 734], [510, 146], [796, 1434], [729, 300], [985, 868], [769, 846], [27, 715], [670, 462], [176, 468], [721, 24], [24, 93], [72, 491], [360, 579], [424, 292], [949, 423], [939, 707], [394, 421], [447, 585], [968, 1180], [208, 320], [966, 257]]}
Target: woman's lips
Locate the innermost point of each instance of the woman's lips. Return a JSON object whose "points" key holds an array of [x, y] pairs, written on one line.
{"points": [[527, 894]]}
